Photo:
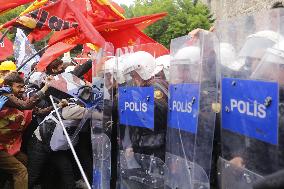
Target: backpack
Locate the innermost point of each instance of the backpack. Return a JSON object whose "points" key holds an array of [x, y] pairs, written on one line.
{"points": [[52, 134]]}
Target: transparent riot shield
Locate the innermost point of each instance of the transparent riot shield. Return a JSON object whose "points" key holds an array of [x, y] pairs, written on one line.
{"points": [[251, 81], [67, 85], [192, 92], [142, 111], [203, 147], [102, 118]]}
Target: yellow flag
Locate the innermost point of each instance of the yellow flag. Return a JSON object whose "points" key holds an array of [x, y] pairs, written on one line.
{"points": [[92, 46], [35, 5], [106, 2]]}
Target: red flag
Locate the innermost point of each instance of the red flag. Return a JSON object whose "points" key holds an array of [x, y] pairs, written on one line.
{"points": [[6, 48], [58, 48], [63, 15], [61, 35], [53, 16], [132, 36], [117, 7], [125, 33], [37, 35], [141, 22], [52, 53], [89, 31], [104, 12], [6, 5]]}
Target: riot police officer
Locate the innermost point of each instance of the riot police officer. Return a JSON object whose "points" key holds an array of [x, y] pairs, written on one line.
{"points": [[142, 141]]}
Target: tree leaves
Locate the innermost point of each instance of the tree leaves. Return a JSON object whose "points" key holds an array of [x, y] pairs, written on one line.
{"points": [[182, 17]]}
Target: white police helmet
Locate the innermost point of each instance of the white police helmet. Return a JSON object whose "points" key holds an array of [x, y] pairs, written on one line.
{"points": [[163, 63], [188, 55], [142, 62]]}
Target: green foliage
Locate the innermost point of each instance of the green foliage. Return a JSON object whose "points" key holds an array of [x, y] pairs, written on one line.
{"points": [[10, 15], [182, 17]]}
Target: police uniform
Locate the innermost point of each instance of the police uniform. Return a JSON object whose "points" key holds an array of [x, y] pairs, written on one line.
{"points": [[146, 141]]}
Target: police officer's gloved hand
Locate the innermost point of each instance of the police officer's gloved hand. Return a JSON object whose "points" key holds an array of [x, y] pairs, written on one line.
{"points": [[3, 100], [273, 181]]}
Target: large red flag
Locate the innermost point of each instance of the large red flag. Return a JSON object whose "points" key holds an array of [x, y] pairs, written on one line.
{"points": [[52, 53], [89, 31], [126, 33], [99, 12], [132, 36], [6, 5], [57, 48], [65, 14], [54, 16], [6, 48], [61, 15], [139, 22]]}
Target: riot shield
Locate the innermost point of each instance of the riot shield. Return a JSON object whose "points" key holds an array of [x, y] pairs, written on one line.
{"points": [[192, 92], [102, 125], [142, 111], [67, 85], [251, 98]]}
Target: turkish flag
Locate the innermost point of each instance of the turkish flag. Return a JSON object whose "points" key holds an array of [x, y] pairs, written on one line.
{"points": [[6, 48], [6, 5]]}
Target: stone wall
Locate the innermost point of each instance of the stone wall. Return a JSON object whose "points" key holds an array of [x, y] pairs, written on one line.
{"points": [[223, 9]]}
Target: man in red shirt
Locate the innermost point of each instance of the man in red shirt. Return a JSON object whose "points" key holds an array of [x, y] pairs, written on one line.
{"points": [[14, 118]]}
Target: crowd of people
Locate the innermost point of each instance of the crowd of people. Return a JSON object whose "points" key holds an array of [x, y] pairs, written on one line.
{"points": [[141, 149], [26, 157]]}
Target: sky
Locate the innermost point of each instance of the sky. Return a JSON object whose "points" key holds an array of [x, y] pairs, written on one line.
{"points": [[126, 2]]}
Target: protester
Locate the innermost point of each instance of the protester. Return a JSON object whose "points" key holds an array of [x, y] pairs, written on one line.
{"points": [[14, 119], [5, 68]]}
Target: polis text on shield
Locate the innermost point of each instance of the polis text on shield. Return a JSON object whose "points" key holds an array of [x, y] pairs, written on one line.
{"points": [[185, 107], [136, 106], [254, 109]]}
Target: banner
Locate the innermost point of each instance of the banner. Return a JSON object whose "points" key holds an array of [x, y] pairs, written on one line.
{"points": [[23, 50]]}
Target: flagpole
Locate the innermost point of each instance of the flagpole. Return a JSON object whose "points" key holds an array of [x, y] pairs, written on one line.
{"points": [[30, 74], [4, 34], [23, 64], [70, 144]]}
